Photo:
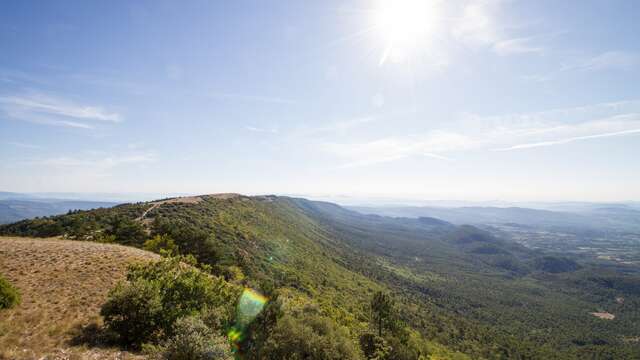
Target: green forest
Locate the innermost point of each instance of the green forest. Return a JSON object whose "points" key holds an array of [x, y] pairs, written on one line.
{"points": [[270, 277]]}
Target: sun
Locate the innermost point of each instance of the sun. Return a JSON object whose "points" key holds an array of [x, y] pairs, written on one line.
{"points": [[404, 25]]}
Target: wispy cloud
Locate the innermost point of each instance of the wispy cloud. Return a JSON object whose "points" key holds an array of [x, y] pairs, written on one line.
{"points": [[23, 145], [606, 61], [570, 139], [481, 24], [496, 133], [477, 25], [516, 46], [619, 60], [85, 167], [97, 162], [389, 149], [43, 109], [342, 126], [261, 130], [254, 98]]}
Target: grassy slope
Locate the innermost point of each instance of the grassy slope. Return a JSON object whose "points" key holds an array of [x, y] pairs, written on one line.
{"points": [[63, 284]]}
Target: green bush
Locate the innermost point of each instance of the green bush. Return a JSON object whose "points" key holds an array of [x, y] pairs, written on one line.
{"points": [[127, 231], [9, 296], [161, 244], [374, 347], [193, 340], [146, 307], [134, 312], [311, 337]]}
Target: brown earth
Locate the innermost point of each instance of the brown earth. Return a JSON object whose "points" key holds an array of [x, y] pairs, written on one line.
{"points": [[62, 283]]}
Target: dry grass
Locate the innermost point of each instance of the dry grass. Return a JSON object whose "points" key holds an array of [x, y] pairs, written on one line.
{"points": [[63, 284]]}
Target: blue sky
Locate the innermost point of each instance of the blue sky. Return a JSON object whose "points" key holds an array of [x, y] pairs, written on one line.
{"points": [[464, 100]]}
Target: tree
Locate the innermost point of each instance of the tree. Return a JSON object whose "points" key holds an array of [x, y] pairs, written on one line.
{"points": [[127, 231], [382, 311]]}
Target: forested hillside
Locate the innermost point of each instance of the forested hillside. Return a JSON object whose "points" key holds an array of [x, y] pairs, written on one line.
{"points": [[451, 290]]}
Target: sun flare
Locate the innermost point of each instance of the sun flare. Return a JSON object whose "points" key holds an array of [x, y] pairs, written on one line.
{"points": [[404, 25]]}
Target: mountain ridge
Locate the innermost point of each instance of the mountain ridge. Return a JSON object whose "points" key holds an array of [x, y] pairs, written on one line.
{"points": [[440, 283]]}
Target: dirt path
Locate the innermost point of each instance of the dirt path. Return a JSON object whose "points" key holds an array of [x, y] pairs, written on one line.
{"points": [[156, 204]]}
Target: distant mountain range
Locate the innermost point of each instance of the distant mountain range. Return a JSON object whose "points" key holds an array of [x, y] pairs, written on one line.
{"points": [[620, 217], [15, 206]]}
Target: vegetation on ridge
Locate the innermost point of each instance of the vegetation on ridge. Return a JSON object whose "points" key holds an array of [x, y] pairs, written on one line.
{"points": [[453, 287]]}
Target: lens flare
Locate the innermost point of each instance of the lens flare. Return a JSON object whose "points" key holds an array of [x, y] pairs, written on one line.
{"points": [[250, 305]]}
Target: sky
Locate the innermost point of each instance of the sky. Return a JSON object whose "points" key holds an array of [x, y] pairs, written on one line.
{"points": [[458, 100]]}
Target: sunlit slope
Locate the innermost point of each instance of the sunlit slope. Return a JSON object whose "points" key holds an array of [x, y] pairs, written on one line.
{"points": [[62, 284]]}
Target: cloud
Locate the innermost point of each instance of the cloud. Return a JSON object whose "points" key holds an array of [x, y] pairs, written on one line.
{"points": [[477, 24], [481, 25], [496, 133], [261, 130], [389, 149], [95, 162], [568, 140], [619, 60], [342, 126], [609, 60], [23, 145], [42, 109], [253, 98], [89, 167], [48, 105], [516, 46], [577, 129]]}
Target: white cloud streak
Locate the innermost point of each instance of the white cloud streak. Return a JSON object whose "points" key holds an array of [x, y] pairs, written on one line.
{"points": [[23, 145], [516, 46], [619, 60], [569, 140], [261, 130], [58, 107], [95, 163], [47, 110], [252, 98], [497, 133], [606, 61], [481, 25]]}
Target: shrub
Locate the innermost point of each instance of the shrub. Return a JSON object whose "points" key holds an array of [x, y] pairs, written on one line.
{"points": [[161, 244], [193, 340], [9, 296], [134, 312], [374, 347], [127, 231], [146, 307], [311, 337]]}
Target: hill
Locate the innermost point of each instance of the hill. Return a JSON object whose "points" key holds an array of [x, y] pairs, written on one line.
{"points": [[63, 284], [458, 287]]}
